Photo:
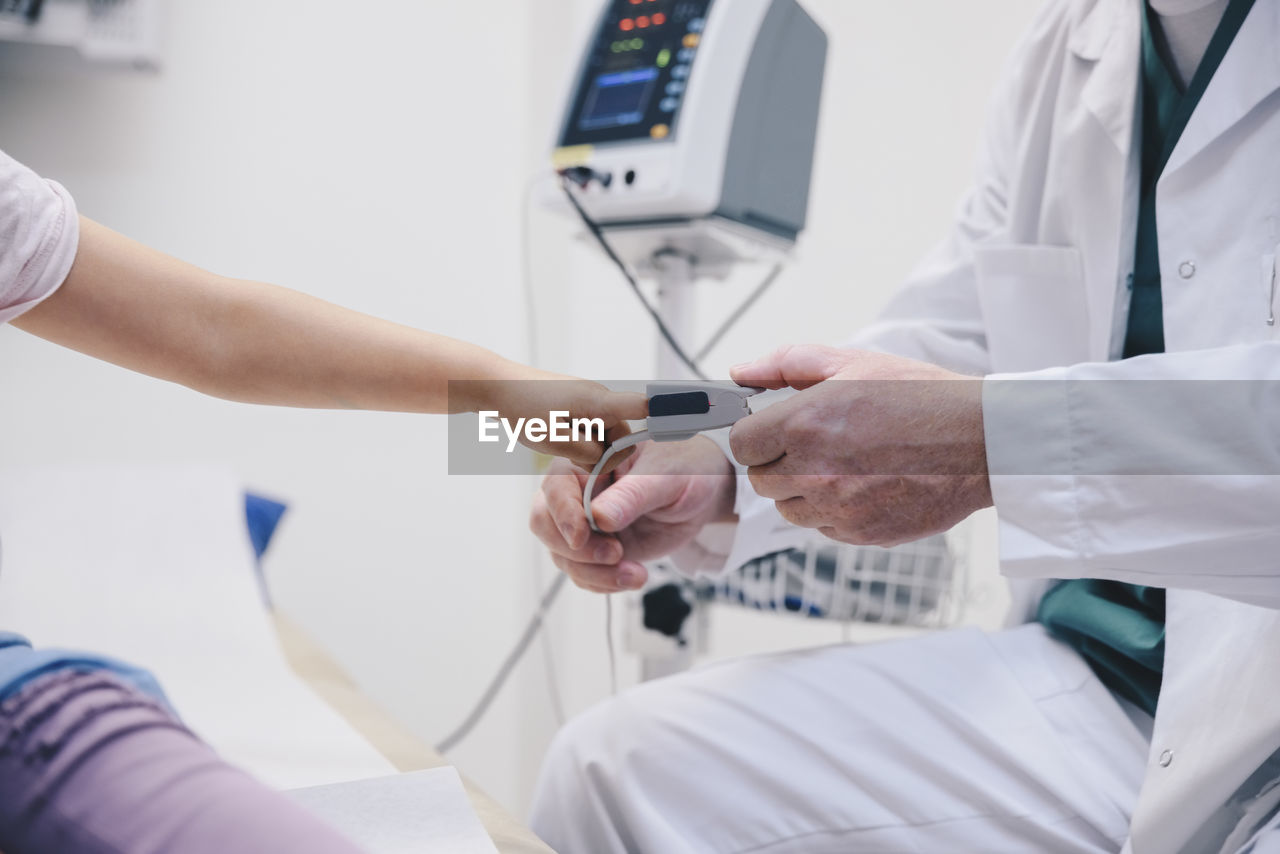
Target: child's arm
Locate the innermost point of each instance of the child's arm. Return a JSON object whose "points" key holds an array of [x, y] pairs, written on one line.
{"points": [[258, 343]]}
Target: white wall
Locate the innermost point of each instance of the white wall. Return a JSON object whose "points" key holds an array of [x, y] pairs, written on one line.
{"points": [[372, 155], [377, 158]]}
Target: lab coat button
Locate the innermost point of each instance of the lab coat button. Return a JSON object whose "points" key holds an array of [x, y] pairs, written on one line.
{"points": [[1166, 759], [1187, 269]]}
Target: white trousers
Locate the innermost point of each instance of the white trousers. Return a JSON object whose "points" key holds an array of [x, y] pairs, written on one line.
{"points": [[952, 742]]}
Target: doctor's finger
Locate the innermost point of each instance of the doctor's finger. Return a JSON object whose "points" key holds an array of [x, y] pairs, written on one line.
{"points": [[760, 439], [768, 482], [783, 477], [598, 548], [562, 496], [598, 578], [795, 366], [630, 498], [802, 513]]}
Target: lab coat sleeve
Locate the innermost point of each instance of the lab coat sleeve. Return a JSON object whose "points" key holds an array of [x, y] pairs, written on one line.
{"points": [[1162, 470]]}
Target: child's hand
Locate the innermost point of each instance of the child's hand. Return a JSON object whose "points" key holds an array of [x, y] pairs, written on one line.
{"points": [[544, 394]]}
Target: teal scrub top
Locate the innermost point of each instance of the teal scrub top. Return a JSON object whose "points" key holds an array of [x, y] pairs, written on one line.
{"points": [[1119, 628]]}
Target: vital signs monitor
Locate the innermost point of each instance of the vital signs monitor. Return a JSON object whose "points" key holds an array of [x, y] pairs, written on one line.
{"points": [[690, 111]]}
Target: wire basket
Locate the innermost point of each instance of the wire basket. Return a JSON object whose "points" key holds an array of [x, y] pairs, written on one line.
{"points": [[920, 584]]}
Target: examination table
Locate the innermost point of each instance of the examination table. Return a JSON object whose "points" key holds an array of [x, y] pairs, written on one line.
{"points": [[404, 750]]}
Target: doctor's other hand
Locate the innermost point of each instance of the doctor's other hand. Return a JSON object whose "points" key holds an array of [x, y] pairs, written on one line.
{"points": [[874, 450], [656, 502]]}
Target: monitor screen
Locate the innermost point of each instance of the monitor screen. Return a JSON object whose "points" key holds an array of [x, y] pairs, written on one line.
{"points": [[636, 74], [618, 99]]}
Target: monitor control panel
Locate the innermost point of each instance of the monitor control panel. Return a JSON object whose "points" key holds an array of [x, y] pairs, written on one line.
{"points": [[637, 72]]}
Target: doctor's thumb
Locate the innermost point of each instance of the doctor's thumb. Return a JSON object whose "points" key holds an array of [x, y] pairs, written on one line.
{"points": [[795, 366], [632, 498]]}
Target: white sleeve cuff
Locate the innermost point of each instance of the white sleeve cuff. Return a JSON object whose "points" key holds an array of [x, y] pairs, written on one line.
{"points": [[1032, 461]]}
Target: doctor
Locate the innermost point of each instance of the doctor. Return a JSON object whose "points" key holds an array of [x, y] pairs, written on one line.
{"points": [[1124, 226]]}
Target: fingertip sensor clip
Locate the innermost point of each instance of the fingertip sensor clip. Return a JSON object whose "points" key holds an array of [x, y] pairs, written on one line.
{"points": [[678, 411], [682, 410]]}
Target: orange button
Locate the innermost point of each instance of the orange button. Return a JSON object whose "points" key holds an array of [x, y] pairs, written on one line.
{"points": [[692, 40], [660, 131]]}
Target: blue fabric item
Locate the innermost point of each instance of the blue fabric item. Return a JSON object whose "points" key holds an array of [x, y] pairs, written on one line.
{"points": [[263, 515], [19, 663]]}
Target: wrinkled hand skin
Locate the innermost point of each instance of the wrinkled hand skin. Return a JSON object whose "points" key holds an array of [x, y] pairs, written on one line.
{"points": [[874, 450], [656, 502]]}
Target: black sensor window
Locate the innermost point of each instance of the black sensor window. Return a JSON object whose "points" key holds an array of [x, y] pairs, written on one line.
{"points": [[685, 403]]}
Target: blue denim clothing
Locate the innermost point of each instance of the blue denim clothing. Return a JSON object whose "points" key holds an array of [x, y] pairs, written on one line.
{"points": [[19, 664]]}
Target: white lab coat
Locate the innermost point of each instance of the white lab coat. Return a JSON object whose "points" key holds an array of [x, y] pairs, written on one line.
{"points": [[1033, 277]]}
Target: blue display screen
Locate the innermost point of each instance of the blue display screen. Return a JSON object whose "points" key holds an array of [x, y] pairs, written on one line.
{"points": [[637, 72], [618, 99]]}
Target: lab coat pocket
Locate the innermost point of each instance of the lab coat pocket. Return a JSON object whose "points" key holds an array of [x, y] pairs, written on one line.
{"points": [[1034, 306]]}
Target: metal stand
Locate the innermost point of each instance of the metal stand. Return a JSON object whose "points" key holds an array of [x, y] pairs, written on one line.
{"points": [[677, 257], [676, 308], [676, 274]]}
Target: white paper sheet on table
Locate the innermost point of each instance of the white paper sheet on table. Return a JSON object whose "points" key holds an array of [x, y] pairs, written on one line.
{"points": [[425, 811], [153, 565]]}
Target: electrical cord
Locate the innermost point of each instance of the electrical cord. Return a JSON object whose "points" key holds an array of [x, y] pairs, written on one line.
{"points": [[598, 234], [627, 441], [732, 320], [535, 623], [608, 640], [535, 358], [582, 176], [534, 626], [513, 658]]}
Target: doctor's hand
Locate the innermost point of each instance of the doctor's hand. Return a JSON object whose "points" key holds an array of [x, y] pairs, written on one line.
{"points": [[875, 449], [656, 502]]}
